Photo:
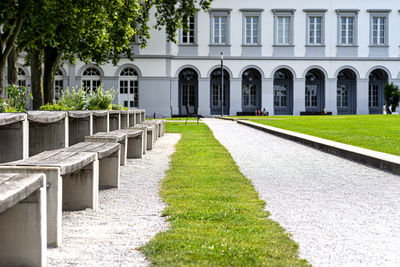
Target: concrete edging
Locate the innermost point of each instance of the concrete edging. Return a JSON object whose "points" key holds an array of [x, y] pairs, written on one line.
{"points": [[369, 157]]}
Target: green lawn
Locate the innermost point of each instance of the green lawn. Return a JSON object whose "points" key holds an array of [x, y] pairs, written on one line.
{"points": [[216, 216], [376, 132]]}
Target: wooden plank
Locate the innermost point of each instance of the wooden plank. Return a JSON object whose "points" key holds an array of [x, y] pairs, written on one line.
{"points": [[46, 116], [102, 149], [99, 113], [68, 162], [79, 114], [115, 135], [15, 187], [129, 132], [10, 118]]}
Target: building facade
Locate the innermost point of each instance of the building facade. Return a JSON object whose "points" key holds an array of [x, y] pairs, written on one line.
{"points": [[288, 57]]}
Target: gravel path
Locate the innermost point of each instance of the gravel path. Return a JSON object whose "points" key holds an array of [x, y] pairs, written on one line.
{"points": [[340, 212], [127, 218]]}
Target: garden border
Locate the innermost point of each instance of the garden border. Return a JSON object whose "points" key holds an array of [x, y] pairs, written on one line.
{"points": [[380, 160]]}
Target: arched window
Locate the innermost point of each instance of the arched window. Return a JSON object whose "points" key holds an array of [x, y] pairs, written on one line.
{"points": [[129, 88], [21, 77], [91, 79], [219, 98], [58, 84]]}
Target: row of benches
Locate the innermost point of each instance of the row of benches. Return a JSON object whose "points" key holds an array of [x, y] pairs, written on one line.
{"points": [[35, 190], [27, 134]]}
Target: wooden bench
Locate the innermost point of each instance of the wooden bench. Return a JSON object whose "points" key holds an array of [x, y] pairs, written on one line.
{"points": [[14, 136], [114, 118], [23, 219], [160, 124], [100, 121], [109, 161], [150, 131], [73, 183], [136, 142], [48, 130], [124, 119], [112, 137], [80, 124]]}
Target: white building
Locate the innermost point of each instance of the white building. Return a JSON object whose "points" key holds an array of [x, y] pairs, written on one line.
{"points": [[288, 56]]}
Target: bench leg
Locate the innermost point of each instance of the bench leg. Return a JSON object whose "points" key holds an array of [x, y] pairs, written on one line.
{"points": [[135, 147], [109, 170], [149, 140], [144, 141], [54, 199], [123, 152], [23, 232], [81, 189]]}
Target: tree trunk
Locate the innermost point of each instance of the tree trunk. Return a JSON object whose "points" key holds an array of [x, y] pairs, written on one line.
{"points": [[12, 74], [52, 58], [37, 79]]}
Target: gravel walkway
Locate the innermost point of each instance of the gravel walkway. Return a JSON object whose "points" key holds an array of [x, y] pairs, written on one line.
{"points": [[127, 218], [340, 212]]}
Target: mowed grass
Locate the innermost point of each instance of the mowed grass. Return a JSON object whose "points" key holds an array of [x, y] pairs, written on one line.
{"points": [[376, 132], [216, 216]]}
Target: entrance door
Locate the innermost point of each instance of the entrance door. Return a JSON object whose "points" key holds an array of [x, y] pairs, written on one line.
{"points": [[129, 88], [188, 91], [346, 92], [377, 80], [219, 98], [314, 91], [283, 92], [188, 99]]}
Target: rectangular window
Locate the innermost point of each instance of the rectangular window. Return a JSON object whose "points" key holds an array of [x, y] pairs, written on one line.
{"points": [[378, 30], [347, 30], [188, 36], [220, 29], [315, 30], [283, 30], [252, 29]]}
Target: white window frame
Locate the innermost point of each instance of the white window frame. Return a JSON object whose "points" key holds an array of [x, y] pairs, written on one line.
{"points": [[130, 78], [252, 13], [379, 13], [347, 13], [91, 79], [315, 13], [194, 31], [214, 13], [279, 13]]}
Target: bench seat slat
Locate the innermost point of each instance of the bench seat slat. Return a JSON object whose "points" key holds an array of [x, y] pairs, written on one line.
{"points": [[46, 116], [10, 118], [15, 187], [115, 135], [68, 162], [129, 132], [102, 149]]}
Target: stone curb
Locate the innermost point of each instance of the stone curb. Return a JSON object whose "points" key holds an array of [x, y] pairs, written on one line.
{"points": [[384, 161]]}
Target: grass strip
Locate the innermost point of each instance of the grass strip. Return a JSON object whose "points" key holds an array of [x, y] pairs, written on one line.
{"points": [[376, 132], [216, 216]]}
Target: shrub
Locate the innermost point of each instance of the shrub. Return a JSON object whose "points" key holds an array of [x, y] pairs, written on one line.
{"points": [[101, 99], [74, 98], [392, 95], [54, 107], [3, 104], [17, 97]]}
